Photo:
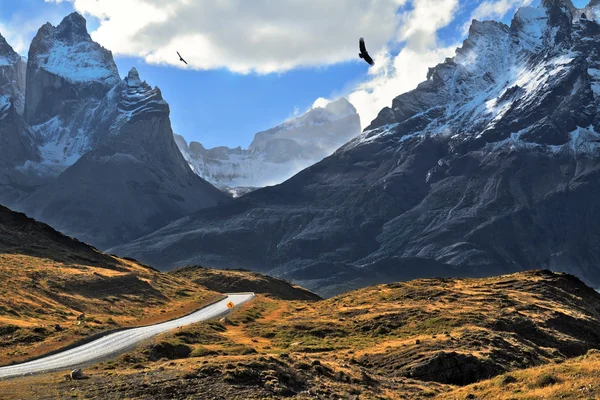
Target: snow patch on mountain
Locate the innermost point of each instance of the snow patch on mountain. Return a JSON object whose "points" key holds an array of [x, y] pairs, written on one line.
{"points": [[139, 97], [78, 63], [69, 52]]}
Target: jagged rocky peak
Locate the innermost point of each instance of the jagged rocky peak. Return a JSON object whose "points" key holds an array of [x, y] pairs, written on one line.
{"points": [[133, 78], [69, 52], [63, 57], [73, 28], [140, 100], [7, 53], [531, 83]]}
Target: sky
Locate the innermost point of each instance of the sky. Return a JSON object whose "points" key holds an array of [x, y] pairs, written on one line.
{"points": [[254, 64]]}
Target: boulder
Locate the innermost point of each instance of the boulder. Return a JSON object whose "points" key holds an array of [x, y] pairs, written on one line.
{"points": [[169, 350], [77, 374]]}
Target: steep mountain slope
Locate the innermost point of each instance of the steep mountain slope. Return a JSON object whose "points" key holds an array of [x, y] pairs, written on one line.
{"points": [[17, 145], [486, 167], [93, 155], [132, 183], [68, 76], [12, 77], [278, 153]]}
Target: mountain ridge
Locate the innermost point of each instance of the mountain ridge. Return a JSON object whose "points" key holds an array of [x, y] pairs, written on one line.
{"points": [[277, 153]]}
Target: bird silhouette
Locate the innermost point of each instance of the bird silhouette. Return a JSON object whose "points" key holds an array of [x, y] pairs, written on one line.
{"points": [[363, 52], [181, 58]]}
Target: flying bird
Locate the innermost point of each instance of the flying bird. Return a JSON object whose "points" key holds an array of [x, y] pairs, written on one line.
{"points": [[181, 58], [363, 52]]}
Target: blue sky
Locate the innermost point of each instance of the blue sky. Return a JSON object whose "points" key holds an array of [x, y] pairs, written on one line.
{"points": [[226, 99]]}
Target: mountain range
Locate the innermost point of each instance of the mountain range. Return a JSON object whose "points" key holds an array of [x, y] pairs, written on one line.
{"points": [[489, 166], [278, 153]]}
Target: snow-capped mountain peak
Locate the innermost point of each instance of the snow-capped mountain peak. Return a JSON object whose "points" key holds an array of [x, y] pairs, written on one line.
{"points": [[139, 98], [67, 51], [508, 82]]}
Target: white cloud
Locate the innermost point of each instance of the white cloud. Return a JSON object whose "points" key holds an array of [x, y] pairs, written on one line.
{"points": [[394, 75], [320, 102], [275, 36], [493, 10], [240, 35]]}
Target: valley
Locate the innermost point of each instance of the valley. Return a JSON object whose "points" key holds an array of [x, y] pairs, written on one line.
{"points": [[449, 250]]}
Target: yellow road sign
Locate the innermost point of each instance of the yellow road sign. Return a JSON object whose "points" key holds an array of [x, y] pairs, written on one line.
{"points": [[230, 304]]}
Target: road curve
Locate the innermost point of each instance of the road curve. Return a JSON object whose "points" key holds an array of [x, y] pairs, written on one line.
{"points": [[118, 342]]}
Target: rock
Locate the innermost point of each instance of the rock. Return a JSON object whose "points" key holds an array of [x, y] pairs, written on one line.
{"points": [[77, 374], [169, 350], [453, 368]]}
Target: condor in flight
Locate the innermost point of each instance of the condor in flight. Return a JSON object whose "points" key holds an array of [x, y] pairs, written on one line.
{"points": [[363, 52], [181, 58]]}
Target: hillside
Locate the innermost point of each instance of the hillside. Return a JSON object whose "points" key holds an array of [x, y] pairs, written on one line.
{"points": [[231, 281], [49, 280], [421, 339]]}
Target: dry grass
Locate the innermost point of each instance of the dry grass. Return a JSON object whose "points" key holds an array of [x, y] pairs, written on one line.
{"points": [[419, 339], [237, 280], [574, 379], [37, 294]]}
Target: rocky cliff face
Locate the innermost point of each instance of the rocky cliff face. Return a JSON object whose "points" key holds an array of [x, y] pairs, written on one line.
{"points": [[96, 156], [17, 145], [68, 76], [278, 153], [488, 166], [12, 77]]}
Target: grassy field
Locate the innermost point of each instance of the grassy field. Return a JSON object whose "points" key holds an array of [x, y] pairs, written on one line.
{"points": [[516, 336]]}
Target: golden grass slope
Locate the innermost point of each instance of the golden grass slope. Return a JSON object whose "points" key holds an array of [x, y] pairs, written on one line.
{"points": [[237, 280], [428, 338], [47, 280]]}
